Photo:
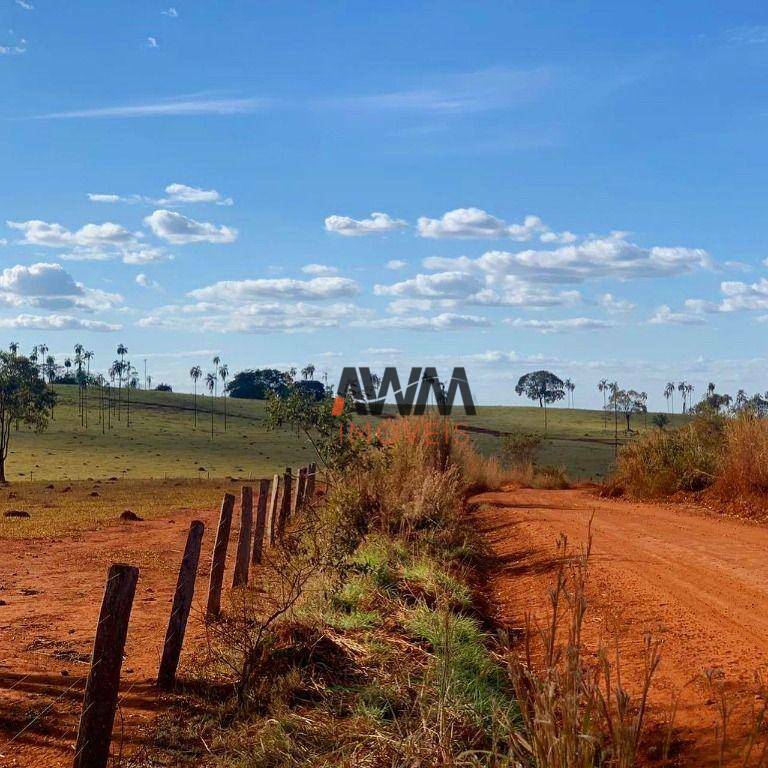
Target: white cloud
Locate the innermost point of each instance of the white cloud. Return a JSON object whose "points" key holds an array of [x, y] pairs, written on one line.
{"points": [[180, 194], [27, 6], [477, 223], [319, 270], [561, 326], [181, 230], [179, 106], [152, 42], [42, 233], [408, 306], [381, 351], [146, 256], [611, 304], [319, 288], [396, 264], [96, 197], [14, 50], [744, 296], [146, 282], [50, 286], [378, 223], [738, 266], [447, 321], [756, 34], [172, 12], [476, 288], [665, 316], [256, 317], [57, 323], [596, 257]]}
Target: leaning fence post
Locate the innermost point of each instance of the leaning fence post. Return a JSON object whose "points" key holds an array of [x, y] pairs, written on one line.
{"points": [[182, 602], [101, 690], [243, 559], [272, 512], [298, 499], [213, 608], [261, 523], [285, 506]]}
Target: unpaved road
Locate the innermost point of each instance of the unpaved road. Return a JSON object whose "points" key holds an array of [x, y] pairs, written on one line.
{"points": [[694, 580], [50, 595]]}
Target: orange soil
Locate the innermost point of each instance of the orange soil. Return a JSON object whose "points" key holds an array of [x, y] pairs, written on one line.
{"points": [[52, 592], [696, 581]]}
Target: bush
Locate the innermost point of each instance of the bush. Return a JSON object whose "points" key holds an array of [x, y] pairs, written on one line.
{"points": [[661, 463], [743, 469]]}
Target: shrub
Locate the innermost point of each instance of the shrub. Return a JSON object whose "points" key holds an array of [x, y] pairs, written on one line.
{"points": [[743, 469]]}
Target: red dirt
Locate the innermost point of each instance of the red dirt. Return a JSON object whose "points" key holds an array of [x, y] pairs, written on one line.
{"points": [[52, 592], [694, 580]]}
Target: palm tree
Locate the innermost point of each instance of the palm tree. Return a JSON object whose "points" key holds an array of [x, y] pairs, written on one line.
{"points": [[87, 356], [79, 365], [669, 391], [216, 360], [682, 388], [210, 383], [308, 372], [223, 373], [42, 351], [13, 347], [613, 388], [603, 387], [195, 372], [689, 391], [50, 369], [567, 385], [122, 351], [644, 400]]}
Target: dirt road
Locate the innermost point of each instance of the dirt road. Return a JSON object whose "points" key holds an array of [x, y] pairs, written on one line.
{"points": [[50, 594], [694, 580]]}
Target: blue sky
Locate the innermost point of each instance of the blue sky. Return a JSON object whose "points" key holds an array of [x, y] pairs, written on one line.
{"points": [[507, 186]]}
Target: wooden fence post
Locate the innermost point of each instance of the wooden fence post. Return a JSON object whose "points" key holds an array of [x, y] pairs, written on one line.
{"points": [[272, 512], [101, 690], [285, 505], [259, 535], [311, 477], [182, 603], [243, 560], [301, 484], [213, 608]]}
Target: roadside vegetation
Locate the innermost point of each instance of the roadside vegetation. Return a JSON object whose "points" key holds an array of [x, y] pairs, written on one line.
{"points": [[724, 455]]}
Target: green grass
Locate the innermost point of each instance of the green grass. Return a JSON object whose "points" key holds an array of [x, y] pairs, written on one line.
{"points": [[162, 441]]}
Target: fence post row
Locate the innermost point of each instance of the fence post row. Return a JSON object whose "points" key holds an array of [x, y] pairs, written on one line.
{"points": [[101, 690], [260, 533], [285, 506], [243, 559], [301, 484], [272, 512], [213, 608], [182, 603]]}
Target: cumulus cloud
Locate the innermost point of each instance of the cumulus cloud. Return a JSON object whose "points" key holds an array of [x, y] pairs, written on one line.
{"points": [[52, 235], [475, 288], [611, 304], [57, 323], [744, 296], [596, 257], [146, 282], [561, 326], [319, 270], [181, 194], [477, 223], [664, 315], [378, 223], [318, 288], [409, 306], [254, 317], [152, 42], [396, 264], [50, 286], [181, 230], [172, 12]]}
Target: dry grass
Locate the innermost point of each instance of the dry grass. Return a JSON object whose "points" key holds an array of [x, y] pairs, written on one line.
{"points": [[730, 456], [60, 508]]}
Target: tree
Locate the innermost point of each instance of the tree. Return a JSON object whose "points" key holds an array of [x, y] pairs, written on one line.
{"points": [[216, 361], [163, 388], [308, 372], [542, 386], [602, 386], [660, 420], [258, 384], [629, 403], [195, 372], [669, 392], [210, 383], [87, 356], [569, 387], [122, 351], [223, 373], [24, 397]]}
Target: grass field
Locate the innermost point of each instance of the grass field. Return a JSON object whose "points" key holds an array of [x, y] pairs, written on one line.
{"points": [[161, 462]]}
